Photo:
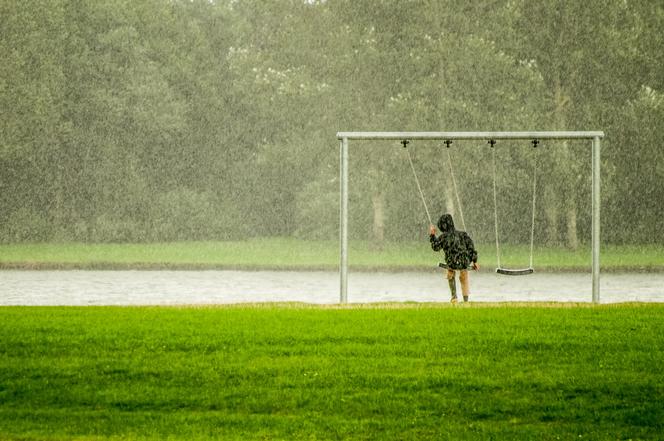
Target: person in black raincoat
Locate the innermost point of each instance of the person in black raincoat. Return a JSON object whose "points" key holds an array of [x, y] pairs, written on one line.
{"points": [[460, 253]]}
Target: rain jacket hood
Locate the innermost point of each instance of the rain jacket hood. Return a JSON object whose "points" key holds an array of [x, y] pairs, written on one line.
{"points": [[446, 224]]}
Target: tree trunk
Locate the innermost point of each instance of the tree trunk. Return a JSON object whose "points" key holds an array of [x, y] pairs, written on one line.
{"points": [[378, 225], [572, 241], [562, 175], [551, 214]]}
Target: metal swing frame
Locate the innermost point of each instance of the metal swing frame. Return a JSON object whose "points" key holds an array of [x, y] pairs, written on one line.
{"points": [[345, 138]]}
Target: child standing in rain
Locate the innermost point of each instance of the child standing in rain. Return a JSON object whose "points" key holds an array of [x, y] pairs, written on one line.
{"points": [[459, 252]]}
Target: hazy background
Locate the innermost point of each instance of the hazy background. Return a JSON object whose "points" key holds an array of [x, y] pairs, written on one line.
{"points": [[171, 120]]}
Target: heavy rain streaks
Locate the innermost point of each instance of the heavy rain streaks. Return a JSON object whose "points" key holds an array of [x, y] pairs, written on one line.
{"points": [[172, 213], [211, 124]]}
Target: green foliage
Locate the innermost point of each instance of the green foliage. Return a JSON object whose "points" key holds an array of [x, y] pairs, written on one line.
{"points": [[638, 149], [112, 111], [299, 372]]}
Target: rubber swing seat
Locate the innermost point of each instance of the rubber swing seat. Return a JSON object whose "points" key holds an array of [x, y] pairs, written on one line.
{"points": [[515, 272], [444, 266]]}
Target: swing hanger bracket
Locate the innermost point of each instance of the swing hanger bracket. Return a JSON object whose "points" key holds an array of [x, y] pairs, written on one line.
{"points": [[405, 143], [492, 142]]}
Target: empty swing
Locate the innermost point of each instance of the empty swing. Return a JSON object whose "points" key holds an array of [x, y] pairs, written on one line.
{"points": [[500, 269]]}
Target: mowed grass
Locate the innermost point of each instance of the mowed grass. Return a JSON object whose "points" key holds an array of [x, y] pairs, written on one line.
{"points": [[286, 253], [372, 372]]}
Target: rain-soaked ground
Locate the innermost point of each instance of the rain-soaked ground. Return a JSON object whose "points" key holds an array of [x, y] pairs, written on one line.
{"points": [[225, 287]]}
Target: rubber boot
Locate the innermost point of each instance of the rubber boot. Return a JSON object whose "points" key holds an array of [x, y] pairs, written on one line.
{"points": [[452, 283], [465, 299]]}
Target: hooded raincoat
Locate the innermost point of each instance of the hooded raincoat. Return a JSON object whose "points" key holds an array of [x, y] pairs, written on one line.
{"points": [[457, 245]]}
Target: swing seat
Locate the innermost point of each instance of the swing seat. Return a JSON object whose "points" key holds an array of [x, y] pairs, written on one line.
{"points": [[444, 266], [515, 272]]}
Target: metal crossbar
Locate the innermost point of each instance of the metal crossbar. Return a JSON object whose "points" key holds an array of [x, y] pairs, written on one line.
{"points": [[468, 135]]}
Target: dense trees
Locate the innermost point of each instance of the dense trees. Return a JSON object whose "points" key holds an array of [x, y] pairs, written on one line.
{"points": [[193, 120]]}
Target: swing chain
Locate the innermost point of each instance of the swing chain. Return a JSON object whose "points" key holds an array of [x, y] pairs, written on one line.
{"points": [[405, 143], [454, 184]]}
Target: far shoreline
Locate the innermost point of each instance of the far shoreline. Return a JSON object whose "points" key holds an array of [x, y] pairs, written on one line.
{"points": [[179, 266]]}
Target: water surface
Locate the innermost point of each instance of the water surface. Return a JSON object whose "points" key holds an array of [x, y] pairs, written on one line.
{"points": [[224, 287]]}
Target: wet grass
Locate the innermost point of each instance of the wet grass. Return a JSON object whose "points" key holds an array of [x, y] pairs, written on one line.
{"points": [[394, 371], [282, 253]]}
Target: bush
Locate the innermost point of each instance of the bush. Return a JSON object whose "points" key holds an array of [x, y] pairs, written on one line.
{"points": [[107, 228], [26, 224], [184, 214], [317, 211]]}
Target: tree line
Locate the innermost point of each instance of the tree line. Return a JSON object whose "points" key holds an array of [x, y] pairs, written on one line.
{"points": [[166, 120]]}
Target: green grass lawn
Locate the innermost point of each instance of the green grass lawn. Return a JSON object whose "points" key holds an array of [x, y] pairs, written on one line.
{"points": [[393, 372], [282, 253]]}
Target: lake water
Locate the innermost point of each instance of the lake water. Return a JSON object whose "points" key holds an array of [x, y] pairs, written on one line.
{"points": [[227, 287]]}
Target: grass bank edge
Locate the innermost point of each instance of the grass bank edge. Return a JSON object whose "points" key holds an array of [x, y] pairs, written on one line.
{"points": [[296, 254], [303, 306]]}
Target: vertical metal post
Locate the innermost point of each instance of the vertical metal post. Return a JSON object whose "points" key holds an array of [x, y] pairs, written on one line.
{"points": [[596, 217], [343, 222]]}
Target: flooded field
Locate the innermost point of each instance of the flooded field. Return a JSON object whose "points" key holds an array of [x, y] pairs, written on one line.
{"points": [[227, 287]]}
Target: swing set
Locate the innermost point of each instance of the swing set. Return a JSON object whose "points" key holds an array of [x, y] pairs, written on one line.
{"points": [[491, 138], [500, 269]]}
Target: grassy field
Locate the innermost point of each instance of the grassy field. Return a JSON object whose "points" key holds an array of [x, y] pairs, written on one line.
{"points": [[281, 253], [294, 372]]}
